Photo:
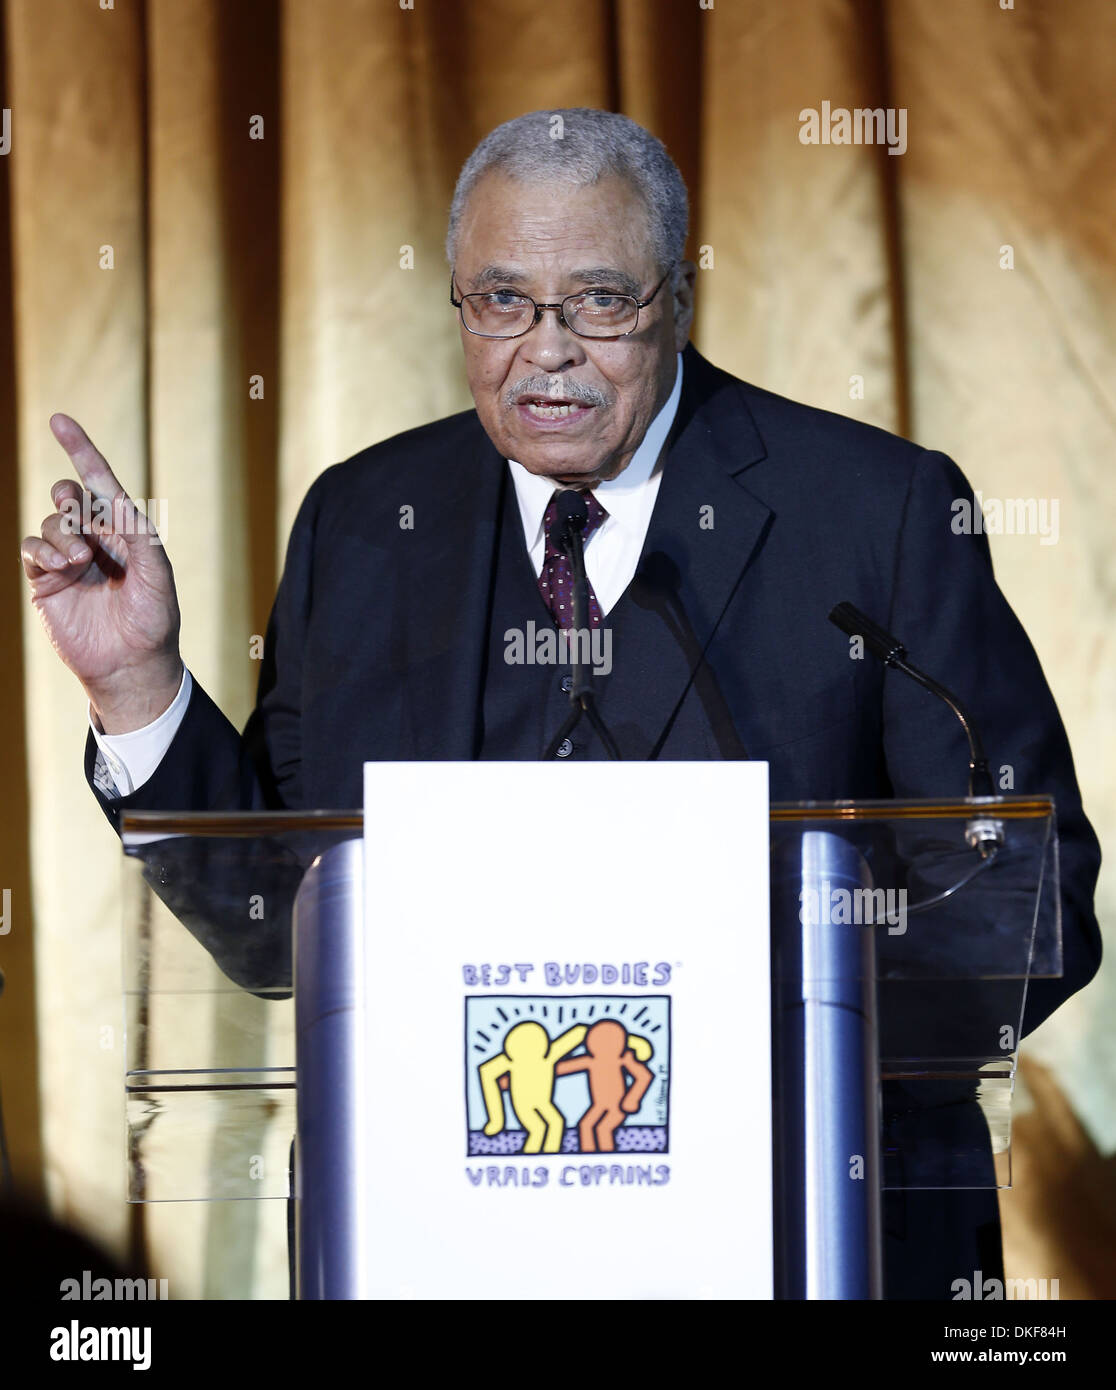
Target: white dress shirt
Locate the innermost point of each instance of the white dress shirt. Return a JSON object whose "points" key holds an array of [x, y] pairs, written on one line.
{"points": [[613, 550], [130, 759], [611, 556]]}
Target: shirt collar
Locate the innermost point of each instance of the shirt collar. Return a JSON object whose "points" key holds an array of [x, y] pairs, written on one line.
{"points": [[620, 496]]}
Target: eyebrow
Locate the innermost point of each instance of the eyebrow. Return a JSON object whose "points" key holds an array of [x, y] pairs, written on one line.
{"points": [[609, 277]]}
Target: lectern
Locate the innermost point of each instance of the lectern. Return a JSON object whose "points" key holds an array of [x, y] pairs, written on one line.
{"points": [[790, 1023]]}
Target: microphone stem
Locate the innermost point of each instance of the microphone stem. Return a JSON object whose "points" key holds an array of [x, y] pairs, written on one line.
{"points": [[589, 705], [980, 778], [892, 652], [583, 697], [580, 599]]}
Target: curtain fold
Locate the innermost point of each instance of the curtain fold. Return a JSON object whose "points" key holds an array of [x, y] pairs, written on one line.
{"points": [[224, 226]]}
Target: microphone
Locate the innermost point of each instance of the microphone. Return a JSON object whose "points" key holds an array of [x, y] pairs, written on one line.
{"points": [[571, 519], [565, 534], [981, 834]]}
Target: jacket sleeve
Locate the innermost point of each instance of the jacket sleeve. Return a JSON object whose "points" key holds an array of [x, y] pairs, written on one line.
{"points": [[947, 606]]}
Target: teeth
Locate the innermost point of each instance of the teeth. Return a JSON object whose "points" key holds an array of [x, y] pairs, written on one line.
{"points": [[551, 412]]}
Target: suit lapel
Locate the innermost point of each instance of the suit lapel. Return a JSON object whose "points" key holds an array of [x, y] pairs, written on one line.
{"points": [[704, 531], [445, 624]]}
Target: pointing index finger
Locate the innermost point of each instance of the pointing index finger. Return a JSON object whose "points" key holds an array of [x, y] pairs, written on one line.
{"points": [[89, 463]]}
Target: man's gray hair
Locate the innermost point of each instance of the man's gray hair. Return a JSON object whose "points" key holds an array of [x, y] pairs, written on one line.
{"points": [[580, 145]]}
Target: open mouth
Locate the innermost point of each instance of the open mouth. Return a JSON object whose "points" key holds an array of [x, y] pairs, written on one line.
{"points": [[549, 408]]}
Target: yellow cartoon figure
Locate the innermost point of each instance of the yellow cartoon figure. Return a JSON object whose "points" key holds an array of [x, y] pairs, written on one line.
{"points": [[526, 1068]]}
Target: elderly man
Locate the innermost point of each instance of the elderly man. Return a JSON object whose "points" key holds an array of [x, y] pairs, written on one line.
{"points": [[723, 523]]}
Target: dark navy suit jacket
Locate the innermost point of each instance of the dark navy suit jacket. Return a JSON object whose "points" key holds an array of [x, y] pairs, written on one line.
{"points": [[377, 641], [769, 513]]}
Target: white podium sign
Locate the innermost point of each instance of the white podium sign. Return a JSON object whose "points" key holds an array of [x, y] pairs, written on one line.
{"points": [[567, 1037]]}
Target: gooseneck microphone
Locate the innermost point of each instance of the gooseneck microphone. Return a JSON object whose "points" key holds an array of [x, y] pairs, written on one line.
{"points": [[984, 834], [566, 534], [893, 653]]}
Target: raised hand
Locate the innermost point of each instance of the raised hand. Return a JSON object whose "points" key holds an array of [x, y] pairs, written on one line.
{"points": [[104, 589]]}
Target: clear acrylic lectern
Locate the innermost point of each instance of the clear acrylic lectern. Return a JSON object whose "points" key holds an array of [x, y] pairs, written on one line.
{"points": [[903, 935]]}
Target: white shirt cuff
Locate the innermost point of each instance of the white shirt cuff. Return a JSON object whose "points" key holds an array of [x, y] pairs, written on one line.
{"points": [[131, 758]]}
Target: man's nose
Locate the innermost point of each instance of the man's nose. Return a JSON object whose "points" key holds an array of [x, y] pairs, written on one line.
{"points": [[551, 346]]}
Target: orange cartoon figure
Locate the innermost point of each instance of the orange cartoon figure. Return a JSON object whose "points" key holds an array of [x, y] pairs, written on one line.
{"points": [[526, 1068], [612, 1055]]}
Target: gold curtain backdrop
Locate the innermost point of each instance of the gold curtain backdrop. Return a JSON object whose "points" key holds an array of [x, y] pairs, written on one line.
{"points": [[222, 223]]}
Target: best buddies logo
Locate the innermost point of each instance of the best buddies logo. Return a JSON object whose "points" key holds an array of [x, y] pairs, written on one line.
{"points": [[580, 1076]]}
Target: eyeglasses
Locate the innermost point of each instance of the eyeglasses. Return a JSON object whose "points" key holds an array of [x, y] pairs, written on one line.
{"points": [[591, 314]]}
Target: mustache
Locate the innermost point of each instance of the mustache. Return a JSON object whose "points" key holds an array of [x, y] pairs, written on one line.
{"points": [[558, 388]]}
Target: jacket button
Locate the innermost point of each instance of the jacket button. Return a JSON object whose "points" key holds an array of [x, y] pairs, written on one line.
{"points": [[564, 749], [567, 683]]}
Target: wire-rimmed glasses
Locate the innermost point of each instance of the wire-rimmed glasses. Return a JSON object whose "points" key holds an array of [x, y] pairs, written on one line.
{"points": [[595, 313]]}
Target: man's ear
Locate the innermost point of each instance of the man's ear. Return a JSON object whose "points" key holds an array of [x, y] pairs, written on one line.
{"points": [[684, 303]]}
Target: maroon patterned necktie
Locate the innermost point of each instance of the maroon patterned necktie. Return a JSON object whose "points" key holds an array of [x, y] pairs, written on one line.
{"points": [[556, 579]]}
